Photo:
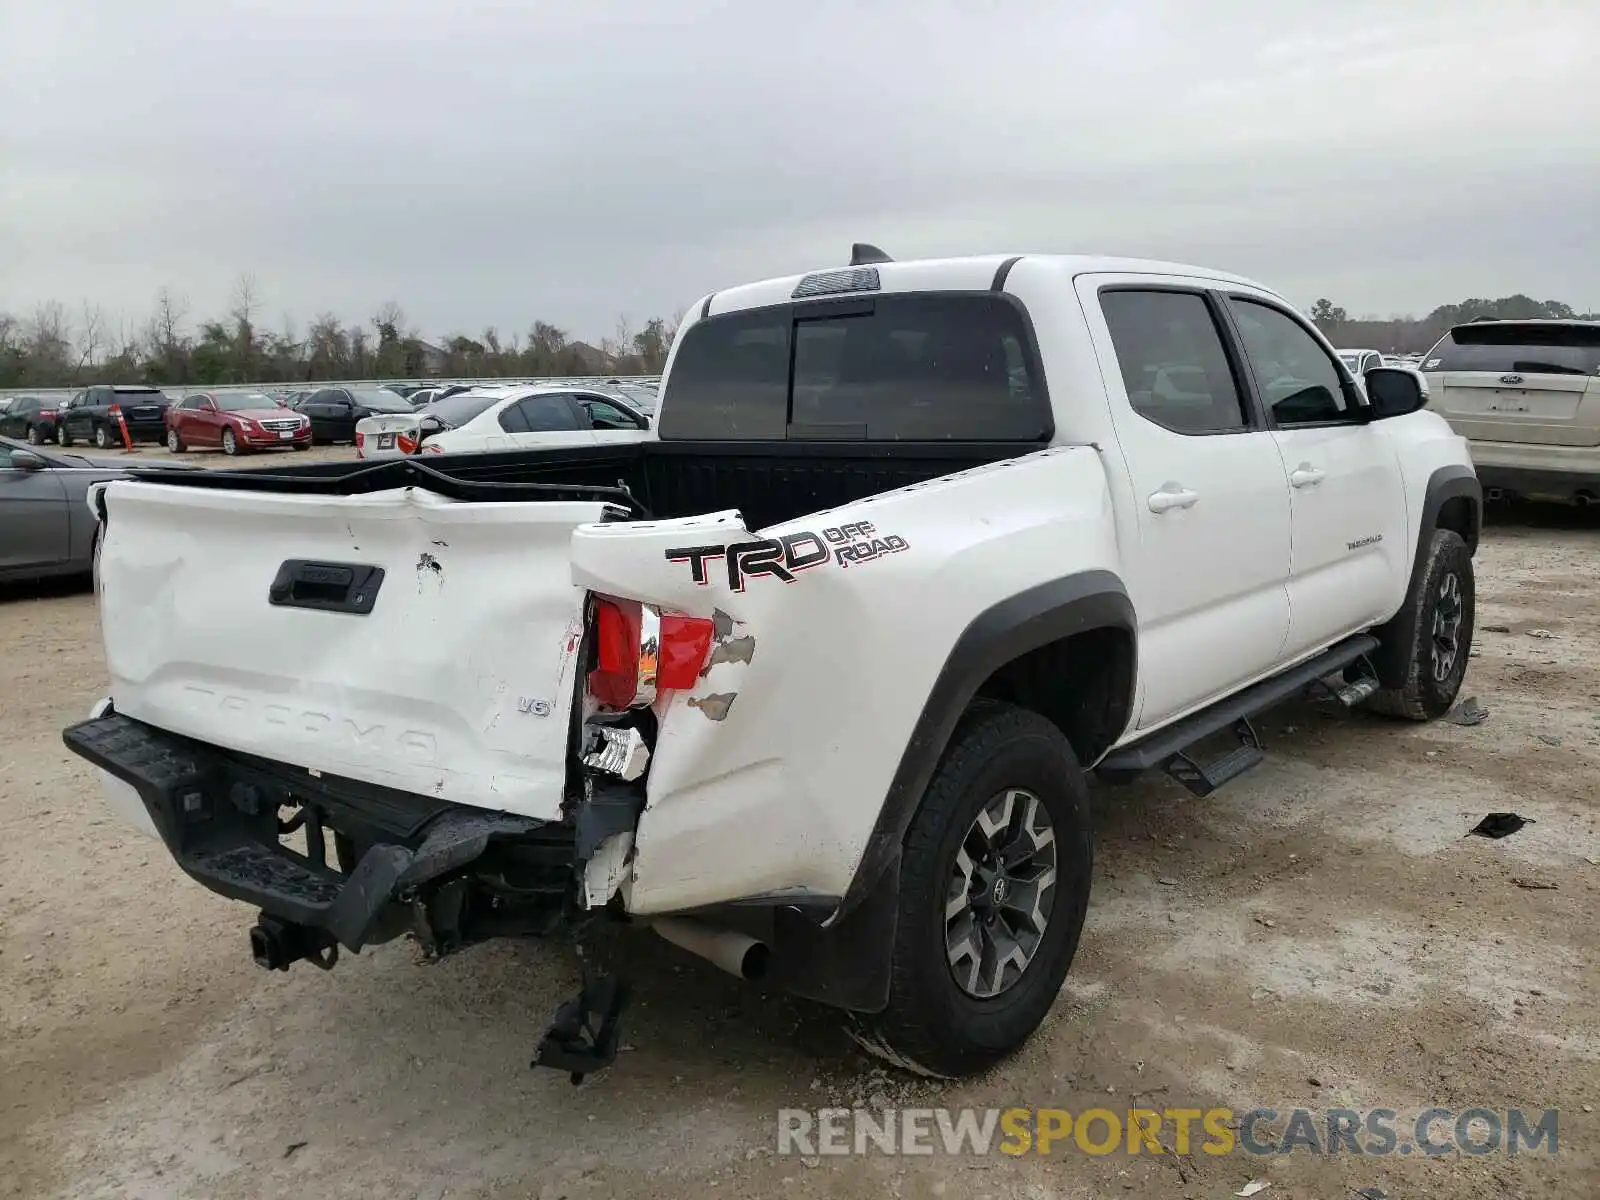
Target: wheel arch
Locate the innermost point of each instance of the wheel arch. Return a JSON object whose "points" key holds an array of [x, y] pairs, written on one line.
{"points": [[1013, 651], [1453, 500]]}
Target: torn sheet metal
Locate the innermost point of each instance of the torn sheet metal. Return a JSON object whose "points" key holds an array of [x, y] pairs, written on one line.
{"points": [[606, 869], [618, 751]]}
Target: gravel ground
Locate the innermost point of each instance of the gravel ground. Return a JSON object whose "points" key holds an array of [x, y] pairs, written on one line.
{"points": [[1318, 933]]}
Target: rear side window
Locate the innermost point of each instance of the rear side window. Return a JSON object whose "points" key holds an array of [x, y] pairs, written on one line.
{"points": [[540, 414], [916, 367], [1522, 349], [1172, 361]]}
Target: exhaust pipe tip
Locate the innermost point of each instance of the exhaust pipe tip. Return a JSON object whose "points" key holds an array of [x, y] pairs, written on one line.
{"points": [[756, 962], [736, 953], [1585, 499]]}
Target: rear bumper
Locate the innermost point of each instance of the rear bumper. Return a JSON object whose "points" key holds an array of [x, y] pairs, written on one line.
{"points": [[1532, 470], [218, 815], [148, 431]]}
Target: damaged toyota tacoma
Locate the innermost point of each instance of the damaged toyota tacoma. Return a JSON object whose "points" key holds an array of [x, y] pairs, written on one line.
{"points": [[810, 680]]}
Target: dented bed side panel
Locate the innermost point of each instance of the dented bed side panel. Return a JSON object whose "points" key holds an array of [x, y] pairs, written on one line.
{"points": [[766, 779], [456, 683]]}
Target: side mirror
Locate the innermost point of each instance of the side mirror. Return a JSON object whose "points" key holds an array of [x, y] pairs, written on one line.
{"points": [[431, 423], [1395, 391], [27, 460]]}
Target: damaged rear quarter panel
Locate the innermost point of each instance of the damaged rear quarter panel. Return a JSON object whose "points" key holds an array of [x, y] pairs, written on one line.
{"points": [[768, 775]]}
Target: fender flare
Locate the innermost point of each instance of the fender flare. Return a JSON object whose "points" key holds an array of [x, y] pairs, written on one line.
{"points": [[1396, 636], [844, 960], [1007, 630]]}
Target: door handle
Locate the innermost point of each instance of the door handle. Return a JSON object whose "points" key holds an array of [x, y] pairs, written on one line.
{"points": [[1172, 495], [330, 587], [1305, 475]]}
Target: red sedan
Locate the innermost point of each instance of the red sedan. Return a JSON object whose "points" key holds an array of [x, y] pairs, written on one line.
{"points": [[237, 421]]}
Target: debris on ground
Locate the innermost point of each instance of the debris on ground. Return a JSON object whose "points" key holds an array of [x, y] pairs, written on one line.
{"points": [[1495, 628], [1500, 824], [1534, 885], [1540, 633], [1254, 1186], [1468, 712], [1548, 740], [293, 1146], [1372, 1193]]}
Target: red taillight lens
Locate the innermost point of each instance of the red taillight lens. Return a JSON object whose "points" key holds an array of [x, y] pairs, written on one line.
{"points": [[407, 443], [685, 642], [615, 680], [626, 673], [361, 439]]}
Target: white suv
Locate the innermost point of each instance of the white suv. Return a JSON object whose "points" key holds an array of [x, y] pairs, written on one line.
{"points": [[1526, 395]]}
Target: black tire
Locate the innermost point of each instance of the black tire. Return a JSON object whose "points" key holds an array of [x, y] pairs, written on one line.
{"points": [[35, 435], [63, 438], [102, 437], [1428, 691], [175, 443], [931, 1025], [301, 446], [230, 443]]}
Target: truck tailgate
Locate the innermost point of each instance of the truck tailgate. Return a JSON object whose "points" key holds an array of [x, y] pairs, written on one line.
{"points": [[256, 622]]}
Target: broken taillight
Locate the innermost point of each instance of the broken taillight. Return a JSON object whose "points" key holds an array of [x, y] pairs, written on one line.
{"points": [[407, 443], [640, 651]]}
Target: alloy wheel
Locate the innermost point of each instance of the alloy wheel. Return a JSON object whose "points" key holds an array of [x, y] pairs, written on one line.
{"points": [[1000, 893]]}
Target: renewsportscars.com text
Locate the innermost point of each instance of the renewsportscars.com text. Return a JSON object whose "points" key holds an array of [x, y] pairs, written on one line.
{"points": [[1379, 1132]]}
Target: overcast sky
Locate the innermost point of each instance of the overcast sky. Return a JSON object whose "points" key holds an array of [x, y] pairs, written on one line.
{"points": [[491, 167]]}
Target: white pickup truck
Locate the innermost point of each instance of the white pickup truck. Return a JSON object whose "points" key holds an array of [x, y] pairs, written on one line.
{"points": [[811, 678]]}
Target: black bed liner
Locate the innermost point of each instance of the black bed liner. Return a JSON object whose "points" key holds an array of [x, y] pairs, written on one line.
{"points": [[767, 482]]}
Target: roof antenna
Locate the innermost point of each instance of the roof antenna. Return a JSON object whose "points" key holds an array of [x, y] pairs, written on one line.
{"points": [[864, 253]]}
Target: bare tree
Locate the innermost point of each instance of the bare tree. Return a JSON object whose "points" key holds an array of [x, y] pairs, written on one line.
{"points": [[47, 342], [91, 336], [246, 346], [246, 299], [166, 323], [390, 314]]}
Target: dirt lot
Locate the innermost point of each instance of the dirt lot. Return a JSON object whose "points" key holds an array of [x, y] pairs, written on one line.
{"points": [[1319, 933]]}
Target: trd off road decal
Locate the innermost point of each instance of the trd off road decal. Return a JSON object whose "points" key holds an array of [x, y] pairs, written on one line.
{"points": [[785, 557]]}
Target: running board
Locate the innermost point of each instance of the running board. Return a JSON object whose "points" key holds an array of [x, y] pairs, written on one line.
{"points": [[1166, 747], [1204, 778]]}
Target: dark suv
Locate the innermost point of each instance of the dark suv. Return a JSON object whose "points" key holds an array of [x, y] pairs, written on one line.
{"points": [[92, 415], [32, 418]]}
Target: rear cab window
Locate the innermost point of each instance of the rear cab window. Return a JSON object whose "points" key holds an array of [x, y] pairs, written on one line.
{"points": [[1173, 364], [920, 366], [1520, 348]]}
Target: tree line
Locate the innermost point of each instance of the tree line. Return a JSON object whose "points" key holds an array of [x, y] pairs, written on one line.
{"points": [[1415, 335], [54, 346], [57, 347]]}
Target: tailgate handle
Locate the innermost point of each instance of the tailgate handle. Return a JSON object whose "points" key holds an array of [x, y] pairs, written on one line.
{"points": [[330, 587]]}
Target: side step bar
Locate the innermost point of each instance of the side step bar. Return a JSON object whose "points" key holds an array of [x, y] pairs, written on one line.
{"points": [[1166, 747]]}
